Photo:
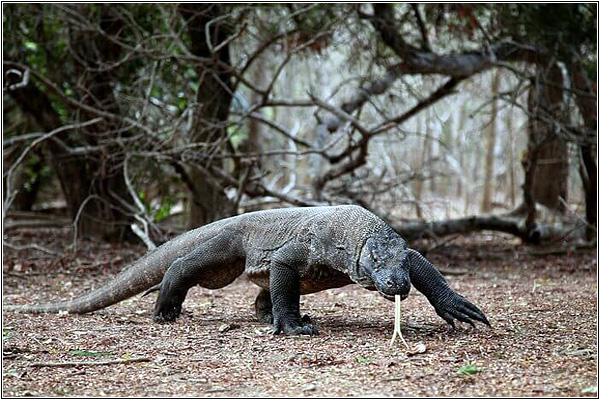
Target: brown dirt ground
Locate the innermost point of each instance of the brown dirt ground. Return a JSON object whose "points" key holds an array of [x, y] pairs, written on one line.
{"points": [[544, 340]]}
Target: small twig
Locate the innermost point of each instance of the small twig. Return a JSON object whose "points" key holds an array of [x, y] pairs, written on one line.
{"points": [[24, 78], [207, 31], [91, 363], [453, 272], [77, 216], [341, 114], [143, 235], [441, 243], [575, 214], [31, 246], [141, 217], [217, 390]]}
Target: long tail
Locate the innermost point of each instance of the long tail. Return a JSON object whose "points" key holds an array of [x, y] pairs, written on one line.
{"points": [[134, 279]]}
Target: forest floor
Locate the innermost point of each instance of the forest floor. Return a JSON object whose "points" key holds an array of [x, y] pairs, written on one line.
{"points": [[543, 309]]}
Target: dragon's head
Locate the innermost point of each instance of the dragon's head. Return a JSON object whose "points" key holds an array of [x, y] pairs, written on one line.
{"points": [[383, 265]]}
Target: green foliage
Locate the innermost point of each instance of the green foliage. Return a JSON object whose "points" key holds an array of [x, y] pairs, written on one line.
{"points": [[362, 359], [312, 19], [470, 369], [12, 373], [566, 26], [590, 389], [165, 208], [6, 333], [238, 134], [63, 390]]}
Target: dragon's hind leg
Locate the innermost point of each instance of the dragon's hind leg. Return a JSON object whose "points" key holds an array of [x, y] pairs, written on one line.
{"points": [[264, 307], [213, 265]]}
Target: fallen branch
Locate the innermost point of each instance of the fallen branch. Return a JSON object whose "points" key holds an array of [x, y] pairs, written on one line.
{"points": [[563, 249], [91, 363], [435, 229], [31, 246], [423, 229], [33, 224]]}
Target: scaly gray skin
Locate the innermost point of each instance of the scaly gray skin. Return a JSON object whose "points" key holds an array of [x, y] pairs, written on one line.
{"points": [[287, 252]]}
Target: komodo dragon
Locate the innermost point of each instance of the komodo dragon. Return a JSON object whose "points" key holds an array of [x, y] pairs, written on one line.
{"points": [[287, 252]]}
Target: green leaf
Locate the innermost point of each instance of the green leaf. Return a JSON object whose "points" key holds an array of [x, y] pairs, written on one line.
{"points": [[165, 209], [13, 372], [31, 45], [470, 369], [362, 359], [182, 103], [90, 353], [63, 391], [6, 334]]}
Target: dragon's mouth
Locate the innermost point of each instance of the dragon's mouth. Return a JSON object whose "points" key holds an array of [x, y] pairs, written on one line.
{"points": [[392, 297]]}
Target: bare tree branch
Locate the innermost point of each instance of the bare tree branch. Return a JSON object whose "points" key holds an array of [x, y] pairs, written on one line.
{"points": [[9, 196]]}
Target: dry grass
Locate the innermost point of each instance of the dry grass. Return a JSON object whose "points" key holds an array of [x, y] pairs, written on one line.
{"points": [[543, 341]]}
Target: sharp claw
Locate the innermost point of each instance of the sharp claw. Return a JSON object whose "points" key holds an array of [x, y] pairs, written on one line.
{"points": [[306, 319], [462, 318], [448, 318], [304, 328], [475, 313], [458, 307], [152, 289]]}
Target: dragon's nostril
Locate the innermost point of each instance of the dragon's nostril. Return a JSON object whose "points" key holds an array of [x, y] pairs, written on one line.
{"points": [[390, 283]]}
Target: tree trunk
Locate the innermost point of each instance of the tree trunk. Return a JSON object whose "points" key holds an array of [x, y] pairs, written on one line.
{"points": [[26, 181], [488, 183], [461, 152], [431, 137], [474, 181], [105, 187], [586, 100], [551, 164], [419, 184], [255, 128], [209, 201], [76, 175], [591, 191], [512, 194]]}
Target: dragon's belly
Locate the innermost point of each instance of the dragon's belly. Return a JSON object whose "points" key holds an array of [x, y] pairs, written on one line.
{"points": [[314, 280]]}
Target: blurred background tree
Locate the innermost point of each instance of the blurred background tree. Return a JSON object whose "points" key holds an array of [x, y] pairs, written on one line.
{"points": [[440, 118]]}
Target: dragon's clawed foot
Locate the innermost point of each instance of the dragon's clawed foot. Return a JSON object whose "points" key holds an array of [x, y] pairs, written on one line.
{"points": [[455, 306], [168, 308], [295, 326]]}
